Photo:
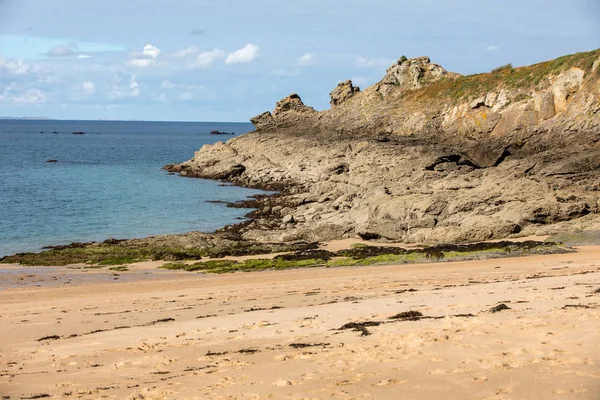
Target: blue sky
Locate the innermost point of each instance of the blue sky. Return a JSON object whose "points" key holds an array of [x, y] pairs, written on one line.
{"points": [[228, 60]]}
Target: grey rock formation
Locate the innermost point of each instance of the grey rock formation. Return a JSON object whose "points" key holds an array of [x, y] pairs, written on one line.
{"points": [[342, 92], [288, 111], [264, 122], [410, 74], [424, 164]]}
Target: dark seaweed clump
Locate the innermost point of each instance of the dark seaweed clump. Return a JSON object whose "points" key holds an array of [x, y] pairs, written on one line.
{"points": [[307, 255], [408, 316], [359, 327], [499, 307]]}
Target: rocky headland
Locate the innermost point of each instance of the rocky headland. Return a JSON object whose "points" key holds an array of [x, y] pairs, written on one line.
{"points": [[424, 155]]}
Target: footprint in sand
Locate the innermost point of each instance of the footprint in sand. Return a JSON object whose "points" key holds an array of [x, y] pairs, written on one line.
{"points": [[282, 383], [387, 382], [438, 372]]}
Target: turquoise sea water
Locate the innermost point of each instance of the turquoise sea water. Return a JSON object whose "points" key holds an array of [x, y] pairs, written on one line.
{"points": [[106, 183]]}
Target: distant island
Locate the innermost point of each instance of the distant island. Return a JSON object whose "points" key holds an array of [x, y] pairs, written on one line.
{"points": [[221, 133]]}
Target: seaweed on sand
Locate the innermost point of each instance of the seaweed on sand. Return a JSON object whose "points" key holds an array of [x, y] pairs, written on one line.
{"points": [[359, 327], [408, 316], [499, 307]]}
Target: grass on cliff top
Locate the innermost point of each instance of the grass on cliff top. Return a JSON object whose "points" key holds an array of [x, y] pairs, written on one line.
{"points": [[522, 78], [359, 256]]}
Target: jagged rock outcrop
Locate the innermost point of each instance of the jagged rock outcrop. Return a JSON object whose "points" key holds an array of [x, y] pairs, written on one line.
{"points": [[342, 92], [409, 74], [264, 122], [439, 158], [289, 111]]}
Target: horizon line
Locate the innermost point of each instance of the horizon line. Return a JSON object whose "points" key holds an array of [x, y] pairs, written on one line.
{"points": [[112, 120]]}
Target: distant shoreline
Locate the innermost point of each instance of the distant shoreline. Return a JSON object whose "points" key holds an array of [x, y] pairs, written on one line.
{"points": [[116, 120]]}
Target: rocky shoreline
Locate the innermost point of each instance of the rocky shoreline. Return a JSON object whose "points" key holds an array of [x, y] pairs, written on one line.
{"points": [[424, 156]]}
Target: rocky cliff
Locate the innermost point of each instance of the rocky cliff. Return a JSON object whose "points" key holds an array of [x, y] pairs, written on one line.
{"points": [[425, 155]]}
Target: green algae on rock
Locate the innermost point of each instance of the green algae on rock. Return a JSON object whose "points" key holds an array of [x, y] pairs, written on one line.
{"points": [[369, 255]]}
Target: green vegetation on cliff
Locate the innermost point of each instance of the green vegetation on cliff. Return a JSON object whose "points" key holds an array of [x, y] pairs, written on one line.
{"points": [[520, 78]]}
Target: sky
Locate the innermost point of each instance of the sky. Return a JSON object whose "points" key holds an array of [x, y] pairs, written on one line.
{"points": [[228, 60]]}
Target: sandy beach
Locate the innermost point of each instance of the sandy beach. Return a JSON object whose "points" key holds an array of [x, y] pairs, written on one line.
{"points": [[299, 200], [421, 332]]}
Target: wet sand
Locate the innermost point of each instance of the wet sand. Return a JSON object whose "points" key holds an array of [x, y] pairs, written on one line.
{"points": [[155, 334]]}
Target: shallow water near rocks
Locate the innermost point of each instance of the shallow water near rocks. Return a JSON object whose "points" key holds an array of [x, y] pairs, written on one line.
{"points": [[107, 182]]}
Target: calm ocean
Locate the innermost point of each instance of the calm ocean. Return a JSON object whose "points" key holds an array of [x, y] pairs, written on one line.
{"points": [[106, 183]]}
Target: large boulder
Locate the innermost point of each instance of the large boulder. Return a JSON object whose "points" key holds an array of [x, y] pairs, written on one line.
{"points": [[544, 105], [342, 92], [291, 111], [288, 111], [565, 86], [411, 74], [516, 116], [264, 122], [293, 102]]}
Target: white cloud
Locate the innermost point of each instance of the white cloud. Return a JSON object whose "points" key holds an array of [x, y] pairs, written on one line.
{"points": [[168, 85], [492, 48], [145, 58], [373, 62], [14, 67], [307, 60], [66, 50], [62, 51], [207, 58], [133, 85], [120, 92], [184, 53], [88, 87], [20, 82], [141, 62], [151, 51], [186, 96], [29, 96], [162, 98], [171, 86], [244, 55]]}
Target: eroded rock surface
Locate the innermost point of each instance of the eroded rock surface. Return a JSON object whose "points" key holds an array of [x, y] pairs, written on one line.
{"points": [[425, 156], [409, 74], [288, 112], [342, 92]]}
